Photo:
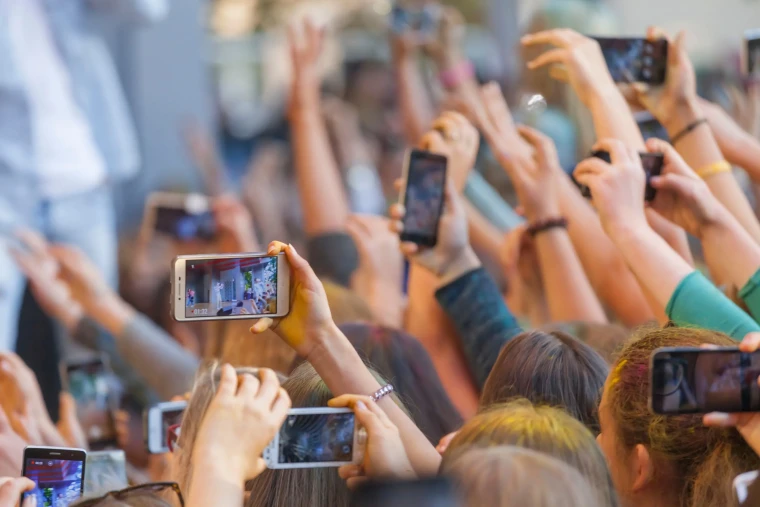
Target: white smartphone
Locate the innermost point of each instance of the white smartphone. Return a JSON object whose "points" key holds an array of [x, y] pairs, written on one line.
{"points": [[184, 217], [315, 438], [156, 423], [106, 471], [238, 286]]}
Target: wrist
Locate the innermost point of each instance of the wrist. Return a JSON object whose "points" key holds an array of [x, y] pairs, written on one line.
{"points": [[327, 341], [680, 115], [606, 96], [715, 224], [111, 312], [462, 263], [626, 233]]}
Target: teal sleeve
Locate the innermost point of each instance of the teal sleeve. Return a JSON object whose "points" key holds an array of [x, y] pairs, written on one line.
{"points": [[750, 294], [698, 303]]}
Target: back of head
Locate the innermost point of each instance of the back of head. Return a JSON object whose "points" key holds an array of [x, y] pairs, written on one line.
{"points": [[540, 428], [697, 462], [136, 500], [606, 339], [400, 358], [317, 487], [516, 477], [549, 369], [345, 305]]}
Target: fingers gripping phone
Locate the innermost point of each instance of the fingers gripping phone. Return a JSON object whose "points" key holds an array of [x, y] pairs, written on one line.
{"points": [[751, 54], [632, 60], [698, 381], [58, 474], [423, 196], [220, 287], [158, 422], [652, 164], [315, 438], [91, 384], [183, 217]]}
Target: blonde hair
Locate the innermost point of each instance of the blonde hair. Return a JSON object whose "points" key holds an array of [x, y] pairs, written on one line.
{"points": [[542, 428], [508, 476]]}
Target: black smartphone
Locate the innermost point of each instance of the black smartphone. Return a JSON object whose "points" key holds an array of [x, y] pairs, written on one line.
{"points": [[632, 60], [58, 474], [432, 492], [652, 163], [751, 54], [698, 381], [650, 127], [91, 382], [423, 196], [423, 21], [183, 217]]}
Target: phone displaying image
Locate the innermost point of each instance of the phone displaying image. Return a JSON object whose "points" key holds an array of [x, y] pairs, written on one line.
{"points": [[652, 164], [106, 471], [245, 286], [316, 437], [158, 421], [431, 492], [91, 383], [650, 127], [632, 60], [183, 217], [423, 196], [423, 21], [58, 474], [751, 54], [698, 381]]}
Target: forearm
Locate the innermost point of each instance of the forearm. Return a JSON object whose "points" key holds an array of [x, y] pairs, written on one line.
{"points": [[699, 149], [746, 155], [604, 265], [323, 198], [612, 119], [212, 483], [730, 252], [416, 110], [342, 370], [484, 236], [569, 294]]}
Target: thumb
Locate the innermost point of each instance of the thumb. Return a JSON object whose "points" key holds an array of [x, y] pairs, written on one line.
{"points": [[368, 419]]}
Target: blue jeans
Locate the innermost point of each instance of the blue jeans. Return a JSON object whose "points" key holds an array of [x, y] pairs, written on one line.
{"points": [[86, 220]]}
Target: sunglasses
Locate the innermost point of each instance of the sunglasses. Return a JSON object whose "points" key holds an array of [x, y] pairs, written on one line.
{"points": [[152, 489]]}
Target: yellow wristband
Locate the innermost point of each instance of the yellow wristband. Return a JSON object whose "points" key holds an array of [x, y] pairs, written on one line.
{"points": [[713, 169]]}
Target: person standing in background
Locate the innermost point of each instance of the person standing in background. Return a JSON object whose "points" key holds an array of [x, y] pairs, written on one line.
{"points": [[65, 133]]}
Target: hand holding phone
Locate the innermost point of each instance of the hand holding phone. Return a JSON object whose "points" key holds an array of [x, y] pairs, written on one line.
{"points": [[158, 423], [183, 217], [652, 164], [423, 21], [58, 474], [635, 60]]}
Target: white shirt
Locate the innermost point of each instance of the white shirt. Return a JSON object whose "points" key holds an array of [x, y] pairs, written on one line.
{"points": [[66, 156]]}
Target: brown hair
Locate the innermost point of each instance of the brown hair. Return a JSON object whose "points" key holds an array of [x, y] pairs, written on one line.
{"points": [[549, 369], [512, 477], [345, 305], [698, 461], [541, 428]]}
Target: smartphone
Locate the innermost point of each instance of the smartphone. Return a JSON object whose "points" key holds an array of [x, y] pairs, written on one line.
{"points": [[238, 286], [91, 383], [156, 423], [650, 127], [632, 60], [423, 196], [183, 217], [315, 438], [106, 471], [698, 381], [652, 164], [57, 472], [751, 54], [430, 492], [423, 21]]}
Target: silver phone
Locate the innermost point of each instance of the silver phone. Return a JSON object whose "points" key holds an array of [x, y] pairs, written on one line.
{"points": [[238, 286], [157, 420]]}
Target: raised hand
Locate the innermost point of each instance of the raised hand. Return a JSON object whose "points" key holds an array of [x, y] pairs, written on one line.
{"points": [[84, 280], [495, 122], [460, 145], [11, 489], [384, 456], [11, 448], [581, 59], [617, 189], [446, 47], [235, 226], [305, 48], [309, 318]]}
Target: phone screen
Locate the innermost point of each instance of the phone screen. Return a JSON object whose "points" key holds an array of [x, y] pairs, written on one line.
{"points": [[635, 60], [423, 21], [695, 381], [170, 418], [753, 55], [90, 385], [651, 128], [59, 482], [183, 225], [231, 286], [426, 183], [317, 438], [433, 492], [106, 471]]}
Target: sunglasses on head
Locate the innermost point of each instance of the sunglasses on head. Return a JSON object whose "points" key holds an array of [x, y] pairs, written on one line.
{"points": [[152, 489]]}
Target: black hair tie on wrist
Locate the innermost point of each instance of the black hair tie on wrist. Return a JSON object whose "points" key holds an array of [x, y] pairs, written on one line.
{"points": [[545, 225], [686, 131]]}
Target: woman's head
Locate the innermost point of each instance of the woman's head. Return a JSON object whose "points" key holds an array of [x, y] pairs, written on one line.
{"points": [[514, 477], [549, 369], [675, 458], [345, 305], [540, 428], [400, 358]]}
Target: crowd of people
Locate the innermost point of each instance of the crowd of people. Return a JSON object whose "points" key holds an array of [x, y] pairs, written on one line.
{"points": [[519, 360]]}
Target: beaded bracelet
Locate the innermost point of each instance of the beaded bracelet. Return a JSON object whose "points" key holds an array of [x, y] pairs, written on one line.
{"points": [[545, 225], [381, 393]]}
